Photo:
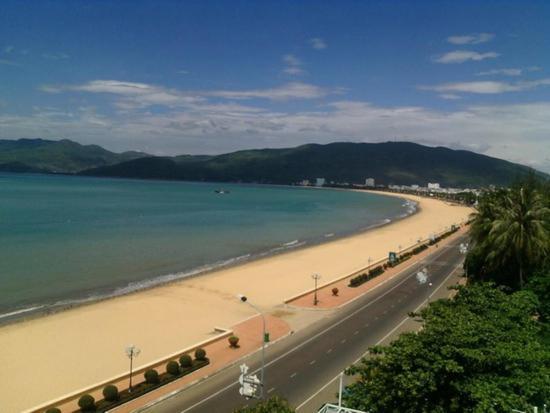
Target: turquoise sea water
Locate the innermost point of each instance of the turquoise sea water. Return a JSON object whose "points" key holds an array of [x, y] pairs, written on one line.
{"points": [[69, 239]]}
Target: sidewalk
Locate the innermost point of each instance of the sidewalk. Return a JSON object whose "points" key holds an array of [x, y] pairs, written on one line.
{"points": [[326, 300], [219, 353]]}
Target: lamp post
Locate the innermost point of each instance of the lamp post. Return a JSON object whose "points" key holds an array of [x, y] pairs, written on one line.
{"points": [[244, 299], [315, 277], [132, 351], [370, 260]]}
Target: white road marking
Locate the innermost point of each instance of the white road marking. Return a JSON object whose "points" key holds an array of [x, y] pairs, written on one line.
{"points": [[329, 351], [312, 362], [337, 323], [343, 341], [293, 375], [377, 343], [270, 390]]}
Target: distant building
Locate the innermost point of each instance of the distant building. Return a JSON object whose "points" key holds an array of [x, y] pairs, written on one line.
{"points": [[433, 186], [319, 181], [305, 182], [369, 182], [415, 187]]}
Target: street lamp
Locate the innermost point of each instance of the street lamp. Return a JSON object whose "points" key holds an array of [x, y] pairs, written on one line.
{"points": [[244, 299], [315, 277], [370, 260], [132, 351]]}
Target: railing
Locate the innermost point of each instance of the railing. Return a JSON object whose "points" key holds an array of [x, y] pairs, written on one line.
{"points": [[332, 408]]}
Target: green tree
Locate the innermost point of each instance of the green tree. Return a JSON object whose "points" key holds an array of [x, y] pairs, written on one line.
{"points": [[478, 352], [510, 234], [272, 405]]}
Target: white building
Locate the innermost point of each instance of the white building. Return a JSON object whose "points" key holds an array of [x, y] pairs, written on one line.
{"points": [[434, 185], [415, 187], [319, 181], [369, 182]]}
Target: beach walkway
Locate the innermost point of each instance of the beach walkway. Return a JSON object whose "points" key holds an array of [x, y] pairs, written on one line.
{"points": [[219, 352]]}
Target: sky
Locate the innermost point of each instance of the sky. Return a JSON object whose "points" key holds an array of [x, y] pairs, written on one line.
{"points": [[208, 77]]}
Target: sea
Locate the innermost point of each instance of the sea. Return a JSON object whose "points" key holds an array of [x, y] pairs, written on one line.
{"points": [[67, 240]]}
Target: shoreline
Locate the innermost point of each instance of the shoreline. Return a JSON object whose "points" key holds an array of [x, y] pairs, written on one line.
{"points": [[39, 310], [168, 317]]}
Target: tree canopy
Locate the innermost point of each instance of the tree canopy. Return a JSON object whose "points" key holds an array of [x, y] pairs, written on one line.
{"points": [[510, 233], [273, 405], [478, 352]]}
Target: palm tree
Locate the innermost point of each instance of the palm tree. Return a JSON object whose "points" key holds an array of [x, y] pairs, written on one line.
{"points": [[519, 231]]}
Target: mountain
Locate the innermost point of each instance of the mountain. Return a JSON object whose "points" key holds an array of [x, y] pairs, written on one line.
{"points": [[389, 163], [63, 156]]}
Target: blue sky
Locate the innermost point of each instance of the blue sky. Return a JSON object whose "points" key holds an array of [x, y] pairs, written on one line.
{"points": [[215, 76]]}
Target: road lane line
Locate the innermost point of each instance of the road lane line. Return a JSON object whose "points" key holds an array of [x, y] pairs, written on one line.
{"points": [[337, 323], [312, 362], [293, 375], [377, 343], [329, 351]]}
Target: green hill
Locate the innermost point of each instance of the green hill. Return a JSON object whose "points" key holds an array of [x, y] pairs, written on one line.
{"points": [[389, 163], [63, 156]]}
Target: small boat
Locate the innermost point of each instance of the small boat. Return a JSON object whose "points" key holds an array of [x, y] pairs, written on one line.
{"points": [[221, 191]]}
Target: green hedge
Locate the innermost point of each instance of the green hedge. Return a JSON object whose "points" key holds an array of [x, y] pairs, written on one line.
{"points": [[363, 278], [143, 387]]}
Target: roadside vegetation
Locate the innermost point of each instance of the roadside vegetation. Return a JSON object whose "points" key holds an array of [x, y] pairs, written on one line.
{"points": [[488, 348]]}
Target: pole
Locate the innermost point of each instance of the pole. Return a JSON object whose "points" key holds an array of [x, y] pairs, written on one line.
{"points": [[315, 277], [131, 360], [263, 358], [262, 371], [341, 389]]}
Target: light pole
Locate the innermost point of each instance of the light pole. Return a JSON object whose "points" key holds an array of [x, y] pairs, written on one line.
{"points": [[245, 300], [368, 268], [132, 351], [315, 277]]}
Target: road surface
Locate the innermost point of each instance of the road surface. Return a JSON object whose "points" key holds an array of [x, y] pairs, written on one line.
{"points": [[302, 366]]}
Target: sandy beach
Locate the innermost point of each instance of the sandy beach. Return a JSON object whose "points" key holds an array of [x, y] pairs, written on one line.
{"points": [[57, 354]]}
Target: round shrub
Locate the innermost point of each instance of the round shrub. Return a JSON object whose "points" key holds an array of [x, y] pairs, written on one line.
{"points": [[335, 291], [53, 410], [186, 361], [86, 403], [200, 354], [233, 341], [151, 376], [110, 393], [173, 368]]}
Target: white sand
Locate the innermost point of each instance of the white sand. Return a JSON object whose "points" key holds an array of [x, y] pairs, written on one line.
{"points": [[47, 357]]}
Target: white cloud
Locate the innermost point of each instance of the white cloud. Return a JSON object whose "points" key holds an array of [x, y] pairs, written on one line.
{"points": [[450, 96], [516, 132], [55, 56], [317, 43], [506, 72], [471, 38], [487, 87], [293, 90], [461, 56], [293, 65], [8, 63]]}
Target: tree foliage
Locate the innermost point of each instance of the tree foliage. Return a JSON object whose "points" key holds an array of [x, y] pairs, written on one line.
{"points": [[510, 233], [272, 405], [478, 352]]}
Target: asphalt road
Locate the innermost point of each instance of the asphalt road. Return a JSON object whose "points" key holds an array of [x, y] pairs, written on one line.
{"points": [[302, 364]]}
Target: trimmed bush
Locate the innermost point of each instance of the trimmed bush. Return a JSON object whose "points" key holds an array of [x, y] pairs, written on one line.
{"points": [[173, 368], [151, 376], [86, 403], [53, 410], [233, 341], [110, 393], [186, 361], [200, 354], [335, 291], [363, 278]]}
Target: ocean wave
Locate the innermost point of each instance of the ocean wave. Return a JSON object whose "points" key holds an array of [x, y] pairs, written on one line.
{"points": [[19, 312], [329, 235], [291, 243]]}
